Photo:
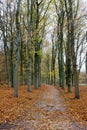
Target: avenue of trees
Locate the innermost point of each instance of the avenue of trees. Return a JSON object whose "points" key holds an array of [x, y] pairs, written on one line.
{"points": [[31, 58]]}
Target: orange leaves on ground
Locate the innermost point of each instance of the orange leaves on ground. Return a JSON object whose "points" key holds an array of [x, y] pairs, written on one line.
{"points": [[77, 107], [11, 108]]}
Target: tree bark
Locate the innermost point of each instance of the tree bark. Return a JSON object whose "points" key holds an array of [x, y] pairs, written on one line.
{"points": [[17, 50]]}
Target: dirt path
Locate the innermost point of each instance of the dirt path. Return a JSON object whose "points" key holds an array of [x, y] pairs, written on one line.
{"points": [[49, 113]]}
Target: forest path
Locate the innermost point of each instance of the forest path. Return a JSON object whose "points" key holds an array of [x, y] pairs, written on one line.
{"points": [[49, 113]]}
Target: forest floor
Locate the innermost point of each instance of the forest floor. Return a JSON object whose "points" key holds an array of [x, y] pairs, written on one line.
{"points": [[48, 108]]}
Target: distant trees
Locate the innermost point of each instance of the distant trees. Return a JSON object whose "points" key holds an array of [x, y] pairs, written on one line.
{"points": [[23, 29], [71, 57], [69, 43]]}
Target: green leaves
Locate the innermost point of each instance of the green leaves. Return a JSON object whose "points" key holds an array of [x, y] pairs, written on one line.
{"points": [[39, 53]]}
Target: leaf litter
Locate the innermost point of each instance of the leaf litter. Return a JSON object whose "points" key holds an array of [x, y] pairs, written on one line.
{"points": [[47, 108]]}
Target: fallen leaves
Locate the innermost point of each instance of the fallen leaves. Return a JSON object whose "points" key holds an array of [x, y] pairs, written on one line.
{"points": [[42, 109], [76, 107], [12, 109]]}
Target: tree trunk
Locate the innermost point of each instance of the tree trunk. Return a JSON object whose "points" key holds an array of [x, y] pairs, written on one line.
{"points": [[32, 70], [17, 50], [69, 74], [86, 66], [75, 71], [36, 73], [11, 64], [15, 81], [29, 67], [21, 64], [39, 69]]}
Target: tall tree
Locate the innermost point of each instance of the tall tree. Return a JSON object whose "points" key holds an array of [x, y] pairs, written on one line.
{"points": [[71, 43], [68, 49], [60, 25], [29, 28], [17, 49], [54, 54], [39, 17]]}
